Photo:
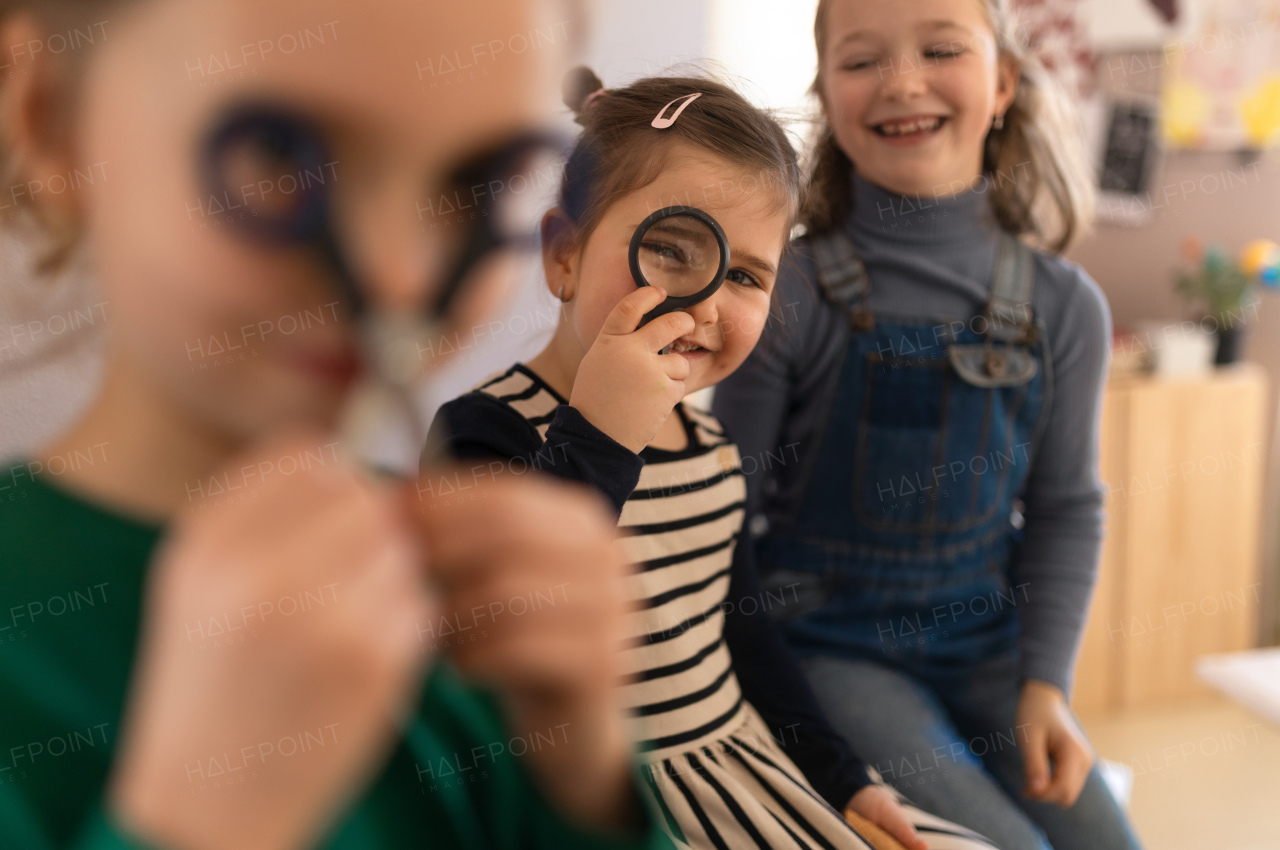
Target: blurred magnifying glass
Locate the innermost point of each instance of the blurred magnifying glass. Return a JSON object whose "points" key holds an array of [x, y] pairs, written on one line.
{"points": [[278, 166], [684, 251]]}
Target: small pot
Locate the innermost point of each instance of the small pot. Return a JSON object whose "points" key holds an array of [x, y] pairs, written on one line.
{"points": [[1231, 339]]}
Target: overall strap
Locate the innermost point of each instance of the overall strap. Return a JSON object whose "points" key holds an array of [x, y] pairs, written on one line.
{"points": [[845, 283], [1009, 314], [843, 277]]}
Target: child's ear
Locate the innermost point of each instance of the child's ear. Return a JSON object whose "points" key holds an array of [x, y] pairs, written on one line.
{"points": [[560, 252], [1008, 74], [36, 114]]}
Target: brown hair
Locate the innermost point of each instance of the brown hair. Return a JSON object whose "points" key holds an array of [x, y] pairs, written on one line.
{"points": [[1051, 201], [619, 151]]}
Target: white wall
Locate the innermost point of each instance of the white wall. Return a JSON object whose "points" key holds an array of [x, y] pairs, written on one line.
{"points": [[1132, 24], [636, 38], [51, 334], [768, 45]]}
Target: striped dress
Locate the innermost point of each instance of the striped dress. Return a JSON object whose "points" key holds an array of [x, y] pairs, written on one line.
{"points": [[716, 770]]}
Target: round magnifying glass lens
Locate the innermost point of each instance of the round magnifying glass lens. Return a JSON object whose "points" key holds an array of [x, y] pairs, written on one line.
{"points": [[681, 254], [275, 172]]}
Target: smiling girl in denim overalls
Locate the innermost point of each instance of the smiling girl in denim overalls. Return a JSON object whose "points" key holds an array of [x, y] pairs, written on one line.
{"points": [[937, 383]]}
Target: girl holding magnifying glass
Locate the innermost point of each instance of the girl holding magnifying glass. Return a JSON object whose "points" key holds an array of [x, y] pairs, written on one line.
{"points": [[220, 617], [680, 192]]}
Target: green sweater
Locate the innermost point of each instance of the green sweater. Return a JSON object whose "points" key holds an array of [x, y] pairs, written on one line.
{"points": [[71, 584]]}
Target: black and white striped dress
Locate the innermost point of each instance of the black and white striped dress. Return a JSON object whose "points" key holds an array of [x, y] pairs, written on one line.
{"points": [[717, 772]]}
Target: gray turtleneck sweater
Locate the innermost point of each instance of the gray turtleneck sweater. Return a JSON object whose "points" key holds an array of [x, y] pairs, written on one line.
{"points": [[933, 258]]}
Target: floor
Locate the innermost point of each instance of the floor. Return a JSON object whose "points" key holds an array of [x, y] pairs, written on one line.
{"points": [[1206, 773]]}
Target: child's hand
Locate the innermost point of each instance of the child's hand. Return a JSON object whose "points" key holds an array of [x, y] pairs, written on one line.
{"points": [[530, 565], [1050, 734], [624, 386], [257, 737], [879, 806]]}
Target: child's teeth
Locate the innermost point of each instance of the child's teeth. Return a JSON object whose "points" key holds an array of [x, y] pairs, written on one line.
{"points": [[902, 129]]}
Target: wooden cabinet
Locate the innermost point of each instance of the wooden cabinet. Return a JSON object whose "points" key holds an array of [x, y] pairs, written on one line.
{"points": [[1184, 461]]}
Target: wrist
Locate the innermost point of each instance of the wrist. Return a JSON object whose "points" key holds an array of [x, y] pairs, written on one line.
{"points": [[152, 811], [589, 776], [144, 814], [607, 428], [1040, 687]]}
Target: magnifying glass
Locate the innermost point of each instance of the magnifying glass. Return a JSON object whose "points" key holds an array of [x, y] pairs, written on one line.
{"points": [[684, 251], [277, 169]]}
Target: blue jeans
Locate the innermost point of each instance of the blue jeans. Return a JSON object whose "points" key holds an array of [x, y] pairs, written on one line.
{"points": [[951, 747]]}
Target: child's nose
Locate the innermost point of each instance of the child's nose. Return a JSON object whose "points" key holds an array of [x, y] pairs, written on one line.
{"points": [[705, 312], [400, 269], [904, 82]]}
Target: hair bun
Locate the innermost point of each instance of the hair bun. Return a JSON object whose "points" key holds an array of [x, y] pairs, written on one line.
{"points": [[578, 84]]}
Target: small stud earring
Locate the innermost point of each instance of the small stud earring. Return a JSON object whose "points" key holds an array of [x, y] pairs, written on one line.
{"points": [[998, 123], [560, 295]]}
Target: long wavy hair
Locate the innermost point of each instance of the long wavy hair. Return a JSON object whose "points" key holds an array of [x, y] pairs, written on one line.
{"points": [[1051, 202]]}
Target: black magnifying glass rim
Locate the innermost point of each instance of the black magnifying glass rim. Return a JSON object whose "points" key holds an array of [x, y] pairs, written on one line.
{"points": [[678, 302], [311, 219], [310, 224]]}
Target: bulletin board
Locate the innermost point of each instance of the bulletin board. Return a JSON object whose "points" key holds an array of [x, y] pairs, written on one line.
{"points": [[1054, 31], [1222, 80]]}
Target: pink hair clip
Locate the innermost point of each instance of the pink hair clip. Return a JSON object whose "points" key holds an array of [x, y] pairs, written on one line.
{"points": [[663, 123], [591, 98]]}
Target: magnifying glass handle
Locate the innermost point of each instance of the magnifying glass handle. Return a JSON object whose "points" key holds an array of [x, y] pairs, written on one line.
{"points": [[661, 310], [344, 280]]}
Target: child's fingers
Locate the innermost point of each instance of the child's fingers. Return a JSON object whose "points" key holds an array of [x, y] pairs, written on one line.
{"points": [[625, 316], [878, 837], [1035, 757], [666, 329], [893, 820], [1072, 763], [675, 366]]}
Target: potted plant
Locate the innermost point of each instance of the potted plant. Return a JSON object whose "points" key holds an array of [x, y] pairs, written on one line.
{"points": [[1227, 288]]}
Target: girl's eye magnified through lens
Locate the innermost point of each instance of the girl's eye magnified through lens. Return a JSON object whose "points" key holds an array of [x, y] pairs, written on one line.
{"points": [[684, 251], [276, 168]]}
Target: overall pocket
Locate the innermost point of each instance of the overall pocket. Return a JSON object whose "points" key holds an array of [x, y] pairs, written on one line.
{"points": [[934, 448]]}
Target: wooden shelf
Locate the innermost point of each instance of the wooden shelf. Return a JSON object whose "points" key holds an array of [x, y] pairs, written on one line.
{"points": [[1179, 577]]}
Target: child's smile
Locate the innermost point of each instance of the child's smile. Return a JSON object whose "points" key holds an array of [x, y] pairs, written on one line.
{"points": [[691, 349], [911, 130]]}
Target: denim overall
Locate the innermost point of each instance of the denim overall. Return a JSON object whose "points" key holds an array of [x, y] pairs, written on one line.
{"points": [[899, 550]]}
